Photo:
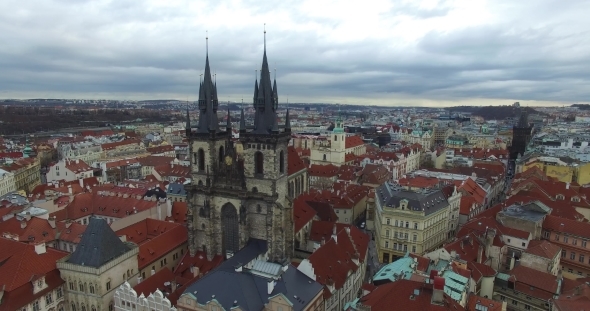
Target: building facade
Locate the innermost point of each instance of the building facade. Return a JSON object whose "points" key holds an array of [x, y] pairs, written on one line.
{"points": [[7, 184], [232, 197], [409, 221]]}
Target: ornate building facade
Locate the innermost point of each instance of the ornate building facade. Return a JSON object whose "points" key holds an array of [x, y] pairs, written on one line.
{"points": [[235, 197]]}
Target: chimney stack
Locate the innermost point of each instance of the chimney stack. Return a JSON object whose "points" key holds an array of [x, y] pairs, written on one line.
{"points": [[51, 221], [40, 248], [81, 181], [270, 286], [23, 224], [438, 290], [68, 223], [28, 216]]}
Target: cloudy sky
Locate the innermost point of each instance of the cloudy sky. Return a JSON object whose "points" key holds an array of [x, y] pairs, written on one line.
{"points": [[367, 52]]}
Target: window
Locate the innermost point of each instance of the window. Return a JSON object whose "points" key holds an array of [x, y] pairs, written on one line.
{"points": [[508, 240], [386, 244], [575, 242], [259, 163], [581, 258], [502, 297], [109, 285], [36, 306], [565, 239], [570, 270], [81, 286], [557, 237], [324, 157], [91, 289], [59, 292], [572, 255], [562, 253], [49, 299], [584, 243], [415, 238], [387, 233], [416, 225], [395, 246], [73, 306], [281, 162], [527, 307], [388, 221], [405, 247], [514, 302], [72, 286], [396, 224], [414, 249], [221, 154], [201, 158], [546, 234], [523, 244]]}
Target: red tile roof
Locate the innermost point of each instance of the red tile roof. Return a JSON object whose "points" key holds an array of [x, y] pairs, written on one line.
{"points": [[399, 296], [154, 282], [174, 170], [155, 160], [543, 249], [333, 261], [178, 213], [475, 301], [87, 204], [11, 155], [22, 296], [353, 141], [110, 146], [20, 263], [466, 247], [295, 164], [302, 213], [374, 174], [156, 238], [316, 170], [479, 270], [77, 166], [534, 283], [574, 299], [568, 226], [419, 182], [160, 149]]}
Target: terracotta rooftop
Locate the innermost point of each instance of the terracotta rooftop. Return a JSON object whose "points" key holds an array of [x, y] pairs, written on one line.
{"points": [[295, 164], [543, 249], [302, 214]]}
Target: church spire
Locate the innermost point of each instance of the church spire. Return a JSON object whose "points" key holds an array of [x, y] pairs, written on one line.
{"points": [[265, 100], [287, 122], [228, 125], [207, 99], [188, 121], [242, 119]]}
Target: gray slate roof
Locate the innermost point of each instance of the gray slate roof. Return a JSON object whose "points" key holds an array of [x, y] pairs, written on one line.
{"points": [[99, 245], [250, 291], [430, 201], [176, 189]]}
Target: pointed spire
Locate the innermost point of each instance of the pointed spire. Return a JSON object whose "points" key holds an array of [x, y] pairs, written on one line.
{"points": [[242, 121], [188, 121], [228, 125], [287, 122], [207, 98], [265, 100]]}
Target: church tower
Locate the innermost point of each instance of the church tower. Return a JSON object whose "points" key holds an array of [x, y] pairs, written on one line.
{"points": [[338, 139], [233, 198]]}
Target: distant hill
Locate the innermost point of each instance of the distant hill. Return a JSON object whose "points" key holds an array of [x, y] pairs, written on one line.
{"points": [[582, 106], [501, 112]]}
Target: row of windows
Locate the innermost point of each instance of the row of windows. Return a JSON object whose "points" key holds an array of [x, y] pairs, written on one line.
{"points": [[199, 159], [581, 257], [566, 239]]}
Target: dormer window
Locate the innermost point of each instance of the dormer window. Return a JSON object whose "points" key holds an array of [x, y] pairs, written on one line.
{"points": [[575, 199], [560, 197]]}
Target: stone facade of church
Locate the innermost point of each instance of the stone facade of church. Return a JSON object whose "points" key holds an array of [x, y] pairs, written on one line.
{"points": [[235, 196]]}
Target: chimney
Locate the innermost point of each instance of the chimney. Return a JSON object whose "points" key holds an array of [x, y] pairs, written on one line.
{"points": [[68, 223], [438, 290], [51, 221], [77, 161], [334, 230], [139, 279], [81, 181], [480, 254], [153, 271], [567, 185], [512, 261], [28, 216], [70, 190], [196, 271], [40, 248], [270, 286], [23, 224], [173, 285], [323, 241]]}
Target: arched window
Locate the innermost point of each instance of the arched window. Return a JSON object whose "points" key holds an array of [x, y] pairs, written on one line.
{"points": [[73, 306], [83, 308], [335, 137], [201, 159], [282, 162], [91, 289], [258, 208], [203, 226], [81, 287], [324, 157], [259, 163], [93, 308], [221, 154]]}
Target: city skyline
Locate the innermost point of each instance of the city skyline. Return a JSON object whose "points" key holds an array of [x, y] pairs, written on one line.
{"points": [[435, 53]]}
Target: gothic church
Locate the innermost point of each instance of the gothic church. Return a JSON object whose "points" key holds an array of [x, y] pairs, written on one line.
{"points": [[232, 197]]}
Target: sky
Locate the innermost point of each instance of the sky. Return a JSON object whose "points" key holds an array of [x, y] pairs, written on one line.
{"points": [[423, 53]]}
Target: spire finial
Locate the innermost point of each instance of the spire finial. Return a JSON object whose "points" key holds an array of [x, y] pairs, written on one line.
{"points": [[256, 74], [275, 72], [264, 37], [207, 42]]}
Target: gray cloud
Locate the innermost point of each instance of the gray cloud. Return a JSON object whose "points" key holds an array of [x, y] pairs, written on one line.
{"points": [[127, 48]]}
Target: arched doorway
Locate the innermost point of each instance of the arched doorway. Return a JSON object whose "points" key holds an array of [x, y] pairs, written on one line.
{"points": [[230, 229]]}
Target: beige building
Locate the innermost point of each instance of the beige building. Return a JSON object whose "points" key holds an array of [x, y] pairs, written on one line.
{"points": [[7, 184], [409, 221], [126, 299], [338, 148], [27, 173], [100, 264]]}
